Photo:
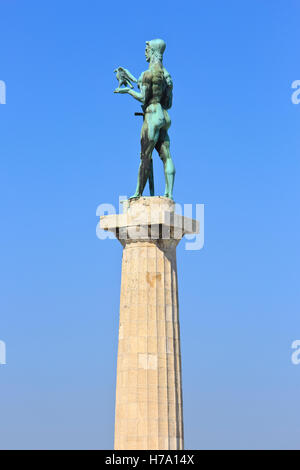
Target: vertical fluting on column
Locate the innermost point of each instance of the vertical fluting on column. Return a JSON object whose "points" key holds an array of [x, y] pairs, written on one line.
{"points": [[149, 390]]}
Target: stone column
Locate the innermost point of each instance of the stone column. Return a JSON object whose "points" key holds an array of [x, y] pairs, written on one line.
{"points": [[149, 411]]}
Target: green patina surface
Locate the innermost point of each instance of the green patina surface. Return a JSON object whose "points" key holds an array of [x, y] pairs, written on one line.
{"points": [[155, 93]]}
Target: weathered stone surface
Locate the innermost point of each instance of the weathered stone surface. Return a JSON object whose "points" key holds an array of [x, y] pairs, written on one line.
{"points": [[149, 390]]}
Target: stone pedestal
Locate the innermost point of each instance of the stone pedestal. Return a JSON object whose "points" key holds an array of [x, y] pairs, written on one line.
{"points": [[149, 389]]}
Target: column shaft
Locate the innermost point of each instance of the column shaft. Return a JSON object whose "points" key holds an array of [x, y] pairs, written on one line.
{"points": [[149, 389]]}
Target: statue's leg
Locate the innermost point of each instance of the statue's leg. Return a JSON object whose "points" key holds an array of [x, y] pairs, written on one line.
{"points": [[149, 138], [163, 148]]}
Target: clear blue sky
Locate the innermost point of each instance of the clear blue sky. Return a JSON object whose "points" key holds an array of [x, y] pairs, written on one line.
{"points": [[68, 143]]}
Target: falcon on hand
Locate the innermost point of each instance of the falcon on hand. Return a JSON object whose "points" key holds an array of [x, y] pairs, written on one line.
{"points": [[125, 78]]}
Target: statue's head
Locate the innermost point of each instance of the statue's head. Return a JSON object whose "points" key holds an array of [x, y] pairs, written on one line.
{"points": [[155, 49]]}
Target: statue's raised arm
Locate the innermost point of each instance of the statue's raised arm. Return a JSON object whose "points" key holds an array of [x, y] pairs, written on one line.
{"points": [[156, 95]]}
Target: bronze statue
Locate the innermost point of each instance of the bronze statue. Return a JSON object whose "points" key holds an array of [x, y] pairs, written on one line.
{"points": [[156, 93]]}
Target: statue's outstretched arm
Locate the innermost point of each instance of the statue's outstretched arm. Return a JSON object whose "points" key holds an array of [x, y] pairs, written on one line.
{"points": [[139, 96]]}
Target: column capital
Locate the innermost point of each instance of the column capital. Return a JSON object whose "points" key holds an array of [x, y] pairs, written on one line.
{"points": [[149, 219]]}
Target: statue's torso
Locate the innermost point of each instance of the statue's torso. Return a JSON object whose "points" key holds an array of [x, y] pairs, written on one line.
{"points": [[157, 87]]}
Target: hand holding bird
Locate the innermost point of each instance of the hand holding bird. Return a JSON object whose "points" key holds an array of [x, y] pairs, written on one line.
{"points": [[122, 90]]}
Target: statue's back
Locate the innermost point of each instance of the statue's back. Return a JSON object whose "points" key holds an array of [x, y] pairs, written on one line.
{"points": [[160, 86]]}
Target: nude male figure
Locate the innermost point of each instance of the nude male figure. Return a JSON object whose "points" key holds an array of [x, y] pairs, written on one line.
{"points": [[156, 93]]}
